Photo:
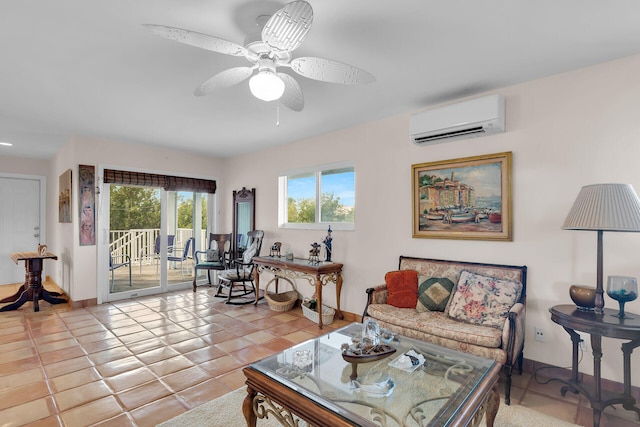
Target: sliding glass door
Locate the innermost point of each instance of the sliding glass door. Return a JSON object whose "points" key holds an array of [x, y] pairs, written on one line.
{"points": [[153, 235]]}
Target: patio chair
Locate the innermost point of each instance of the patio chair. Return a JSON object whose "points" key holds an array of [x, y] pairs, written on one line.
{"points": [[156, 251], [216, 258], [190, 246], [236, 280], [114, 266]]}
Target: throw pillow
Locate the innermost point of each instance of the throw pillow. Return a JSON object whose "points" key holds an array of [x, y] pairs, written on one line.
{"points": [[433, 293], [402, 288], [483, 300], [248, 254], [213, 255]]}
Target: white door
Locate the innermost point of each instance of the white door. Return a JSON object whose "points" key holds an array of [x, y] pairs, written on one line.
{"points": [[19, 223]]}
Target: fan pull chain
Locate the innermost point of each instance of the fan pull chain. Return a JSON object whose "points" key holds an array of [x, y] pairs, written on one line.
{"points": [[278, 113]]}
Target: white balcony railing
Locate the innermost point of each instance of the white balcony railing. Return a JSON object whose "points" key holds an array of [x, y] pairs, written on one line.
{"points": [[139, 244]]}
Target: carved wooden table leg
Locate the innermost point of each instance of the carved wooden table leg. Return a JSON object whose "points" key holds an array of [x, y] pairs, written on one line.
{"points": [[247, 408]]}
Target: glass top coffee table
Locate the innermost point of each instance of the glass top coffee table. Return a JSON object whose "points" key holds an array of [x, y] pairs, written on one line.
{"points": [[312, 381]]}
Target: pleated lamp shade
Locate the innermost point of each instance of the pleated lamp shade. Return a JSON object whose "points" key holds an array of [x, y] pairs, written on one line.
{"points": [[606, 207]]}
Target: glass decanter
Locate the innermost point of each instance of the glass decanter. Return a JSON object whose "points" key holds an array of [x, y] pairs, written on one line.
{"points": [[622, 289]]}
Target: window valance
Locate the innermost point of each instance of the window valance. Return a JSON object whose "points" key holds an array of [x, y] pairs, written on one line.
{"points": [[168, 182]]}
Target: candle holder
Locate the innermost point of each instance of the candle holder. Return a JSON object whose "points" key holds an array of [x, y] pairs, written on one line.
{"points": [[622, 289]]}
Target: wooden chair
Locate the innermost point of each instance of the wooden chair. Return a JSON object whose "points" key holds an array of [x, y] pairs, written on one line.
{"points": [[216, 258], [236, 279]]}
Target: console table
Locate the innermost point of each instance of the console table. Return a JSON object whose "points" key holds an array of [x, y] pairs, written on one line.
{"points": [[32, 289], [318, 274], [598, 326]]}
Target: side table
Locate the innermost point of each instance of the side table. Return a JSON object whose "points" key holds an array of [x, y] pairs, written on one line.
{"points": [[318, 274], [598, 326], [32, 288]]}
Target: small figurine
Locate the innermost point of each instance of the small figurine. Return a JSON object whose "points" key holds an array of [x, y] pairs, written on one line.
{"points": [[314, 253], [275, 249], [327, 243]]}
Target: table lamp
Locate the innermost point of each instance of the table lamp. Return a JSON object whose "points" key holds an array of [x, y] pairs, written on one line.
{"points": [[604, 207]]}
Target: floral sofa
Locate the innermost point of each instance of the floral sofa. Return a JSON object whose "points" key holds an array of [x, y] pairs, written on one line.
{"points": [[470, 307]]}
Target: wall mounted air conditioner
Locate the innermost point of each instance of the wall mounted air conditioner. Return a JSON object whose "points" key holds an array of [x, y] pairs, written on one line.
{"points": [[478, 117]]}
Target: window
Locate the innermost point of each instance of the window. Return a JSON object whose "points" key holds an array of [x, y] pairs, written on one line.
{"points": [[317, 197]]}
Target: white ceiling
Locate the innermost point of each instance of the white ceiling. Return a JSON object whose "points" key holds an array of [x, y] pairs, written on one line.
{"points": [[88, 67]]}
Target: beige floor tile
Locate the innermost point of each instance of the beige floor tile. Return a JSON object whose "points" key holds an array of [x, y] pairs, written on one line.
{"points": [[18, 379], [23, 394], [157, 355], [186, 378], [27, 412], [64, 367], [143, 394], [91, 413], [22, 353], [158, 411], [80, 395], [109, 355], [169, 366], [221, 365], [233, 344], [260, 337], [130, 379], [116, 367], [74, 379]]}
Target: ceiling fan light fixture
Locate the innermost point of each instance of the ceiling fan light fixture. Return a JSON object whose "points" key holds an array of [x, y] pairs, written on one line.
{"points": [[266, 85]]}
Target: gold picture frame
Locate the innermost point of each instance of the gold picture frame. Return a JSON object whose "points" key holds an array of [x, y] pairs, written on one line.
{"points": [[466, 198]]}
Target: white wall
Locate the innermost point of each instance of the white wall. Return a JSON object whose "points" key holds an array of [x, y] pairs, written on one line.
{"points": [[565, 131], [79, 268]]}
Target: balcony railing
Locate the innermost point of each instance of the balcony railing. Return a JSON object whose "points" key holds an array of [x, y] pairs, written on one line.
{"points": [[139, 244]]}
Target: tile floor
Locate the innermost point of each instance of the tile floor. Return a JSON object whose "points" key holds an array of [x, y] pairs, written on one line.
{"points": [[142, 361]]}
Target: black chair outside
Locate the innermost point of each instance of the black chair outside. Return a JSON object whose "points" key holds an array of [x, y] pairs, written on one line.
{"points": [[189, 247], [237, 281], [114, 266], [216, 258]]}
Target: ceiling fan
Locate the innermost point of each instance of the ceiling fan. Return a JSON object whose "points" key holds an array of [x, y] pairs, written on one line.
{"points": [[282, 33]]}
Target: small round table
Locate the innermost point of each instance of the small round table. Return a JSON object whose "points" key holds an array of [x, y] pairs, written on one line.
{"points": [[32, 289], [598, 326]]}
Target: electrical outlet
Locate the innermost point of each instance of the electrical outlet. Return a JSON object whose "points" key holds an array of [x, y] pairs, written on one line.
{"points": [[539, 334], [583, 345]]}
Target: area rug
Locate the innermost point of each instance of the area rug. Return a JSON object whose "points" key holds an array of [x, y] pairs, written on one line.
{"points": [[226, 411]]}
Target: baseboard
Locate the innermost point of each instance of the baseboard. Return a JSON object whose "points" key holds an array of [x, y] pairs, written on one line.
{"points": [[546, 371]]}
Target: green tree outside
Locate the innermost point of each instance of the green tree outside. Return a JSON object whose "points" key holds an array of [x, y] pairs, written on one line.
{"points": [[304, 210], [185, 212], [134, 207]]}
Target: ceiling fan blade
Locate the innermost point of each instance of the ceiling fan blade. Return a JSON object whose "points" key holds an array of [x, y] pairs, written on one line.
{"points": [[224, 79], [327, 70], [292, 96], [200, 40], [286, 29]]}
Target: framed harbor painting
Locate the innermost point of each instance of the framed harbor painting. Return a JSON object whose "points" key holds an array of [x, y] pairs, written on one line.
{"points": [[467, 198]]}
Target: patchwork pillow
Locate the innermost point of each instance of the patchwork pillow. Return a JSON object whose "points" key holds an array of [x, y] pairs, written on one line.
{"points": [[402, 288], [433, 293], [483, 300]]}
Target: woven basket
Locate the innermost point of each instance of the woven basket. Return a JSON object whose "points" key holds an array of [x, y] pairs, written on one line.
{"points": [[327, 313], [281, 301]]}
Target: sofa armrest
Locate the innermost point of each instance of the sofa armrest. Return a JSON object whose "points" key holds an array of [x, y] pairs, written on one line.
{"points": [[376, 295], [513, 332]]}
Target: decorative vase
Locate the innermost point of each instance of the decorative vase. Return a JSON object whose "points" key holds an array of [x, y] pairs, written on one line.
{"points": [[622, 289], [584, 297]]}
